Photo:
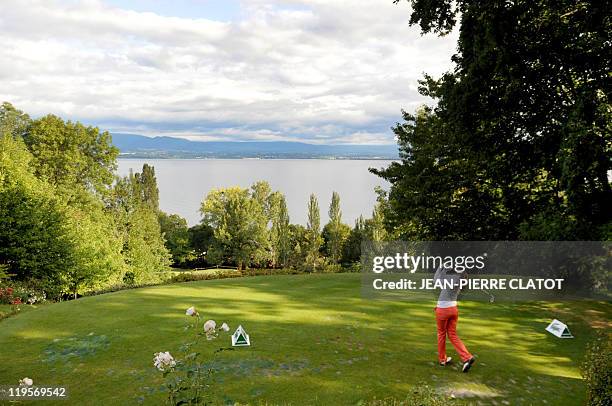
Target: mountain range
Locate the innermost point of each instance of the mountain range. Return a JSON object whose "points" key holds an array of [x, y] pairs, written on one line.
{"points": [[139, 146]]}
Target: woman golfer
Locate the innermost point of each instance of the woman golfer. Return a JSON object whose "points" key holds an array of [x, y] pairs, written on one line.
{"points": [[446, 318]]}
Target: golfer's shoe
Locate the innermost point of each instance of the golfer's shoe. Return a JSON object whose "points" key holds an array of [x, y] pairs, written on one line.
{"points": [[448, 361], [468, 364]]}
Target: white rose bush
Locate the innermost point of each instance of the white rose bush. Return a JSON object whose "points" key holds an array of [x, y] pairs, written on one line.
{"points": [[164, 361], [188, 379]]}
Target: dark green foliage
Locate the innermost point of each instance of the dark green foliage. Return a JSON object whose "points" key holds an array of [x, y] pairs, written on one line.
{"points": [[519, 144], [351, 251], [433, 15], [201, 238], [33, 239], [597, 371], [34, 242], [176, 236]]}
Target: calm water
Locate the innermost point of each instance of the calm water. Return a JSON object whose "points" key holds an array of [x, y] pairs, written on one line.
{"points": [[183, 183]]}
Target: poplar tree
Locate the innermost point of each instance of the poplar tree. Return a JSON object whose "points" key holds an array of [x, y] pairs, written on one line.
{"points": [[336, 233], [313, 232], [280, 234], [147, 183]]}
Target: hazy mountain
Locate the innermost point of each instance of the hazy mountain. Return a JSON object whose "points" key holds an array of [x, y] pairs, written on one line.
{"points": [[138, 146]]}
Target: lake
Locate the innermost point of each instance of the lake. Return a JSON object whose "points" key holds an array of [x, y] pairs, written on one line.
{"points": [[183, 183]]}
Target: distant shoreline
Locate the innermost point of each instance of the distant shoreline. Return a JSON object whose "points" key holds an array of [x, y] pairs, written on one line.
{"points": [[314, 158], [134, 146]]}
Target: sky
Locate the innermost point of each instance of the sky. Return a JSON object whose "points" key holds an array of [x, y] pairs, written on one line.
{"points": [[318, 71]]}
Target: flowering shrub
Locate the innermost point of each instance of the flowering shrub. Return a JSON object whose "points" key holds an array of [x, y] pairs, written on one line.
{"points": [[19, 294], [7, 296], [188, 380]]}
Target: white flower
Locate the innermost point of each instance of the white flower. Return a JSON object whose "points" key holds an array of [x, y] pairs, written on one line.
{"points": [[163, 360], [209, 326], [224, 327], [26, 382], [191, 311]]}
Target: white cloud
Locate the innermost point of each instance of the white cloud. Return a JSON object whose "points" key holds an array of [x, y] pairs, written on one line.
{"points": [[320, 70]]}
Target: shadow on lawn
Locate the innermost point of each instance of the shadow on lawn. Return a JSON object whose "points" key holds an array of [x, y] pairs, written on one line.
{"points": [[497, 334], [316, 334]]}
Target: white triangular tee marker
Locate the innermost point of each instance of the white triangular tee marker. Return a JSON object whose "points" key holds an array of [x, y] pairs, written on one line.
{"points": [[559, 329], [240, 338]]}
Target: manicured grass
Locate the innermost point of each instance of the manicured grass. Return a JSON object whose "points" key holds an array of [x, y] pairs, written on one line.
{"points": [[314, 341]]}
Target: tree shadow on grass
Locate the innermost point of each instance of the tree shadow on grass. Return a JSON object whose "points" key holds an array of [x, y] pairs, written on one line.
{"points": [[347, 347]]}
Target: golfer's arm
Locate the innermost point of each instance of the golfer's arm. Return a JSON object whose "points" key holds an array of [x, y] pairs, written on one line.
{"points": [[438, 274]]}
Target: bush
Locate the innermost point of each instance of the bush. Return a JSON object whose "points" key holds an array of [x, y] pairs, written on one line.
{"points": [[189, 276], [129, 278], [597, 371], [17, 293]]}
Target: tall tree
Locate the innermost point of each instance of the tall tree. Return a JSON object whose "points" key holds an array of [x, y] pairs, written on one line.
{"points": [[68, 154], [66, 248], [337, 233], [34, 241], [376, 225], [519, 143], [147, 185], [261, 192], [137, 222], [240, 226], [280, 233], [13, 121], [313, 233], [298, 244]]}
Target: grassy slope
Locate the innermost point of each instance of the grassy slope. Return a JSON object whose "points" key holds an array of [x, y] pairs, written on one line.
{"points": [[315, 341]]}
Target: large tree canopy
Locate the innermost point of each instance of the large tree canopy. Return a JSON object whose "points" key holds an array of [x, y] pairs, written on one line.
{"points": [[63, 226], [68, 154], [519, 143]]}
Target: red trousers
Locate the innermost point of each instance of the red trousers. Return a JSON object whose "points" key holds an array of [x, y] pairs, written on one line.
{"points": [[446, 319]]}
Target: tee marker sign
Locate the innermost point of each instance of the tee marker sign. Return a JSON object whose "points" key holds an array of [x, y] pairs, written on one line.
{"points": [[559, 329], [240, 338]]}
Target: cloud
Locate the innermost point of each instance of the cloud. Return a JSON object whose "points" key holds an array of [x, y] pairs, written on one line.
{"points": [[322, 71]]}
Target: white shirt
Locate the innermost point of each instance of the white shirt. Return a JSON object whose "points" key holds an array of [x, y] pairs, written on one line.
{"points": [[443, 304]]}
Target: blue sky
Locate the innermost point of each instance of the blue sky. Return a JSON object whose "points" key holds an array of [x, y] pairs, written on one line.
{"points": [[318, 71], [220, 10]]}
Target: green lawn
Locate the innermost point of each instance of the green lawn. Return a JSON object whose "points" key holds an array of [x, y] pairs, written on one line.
{"points": [[314, 341]]}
